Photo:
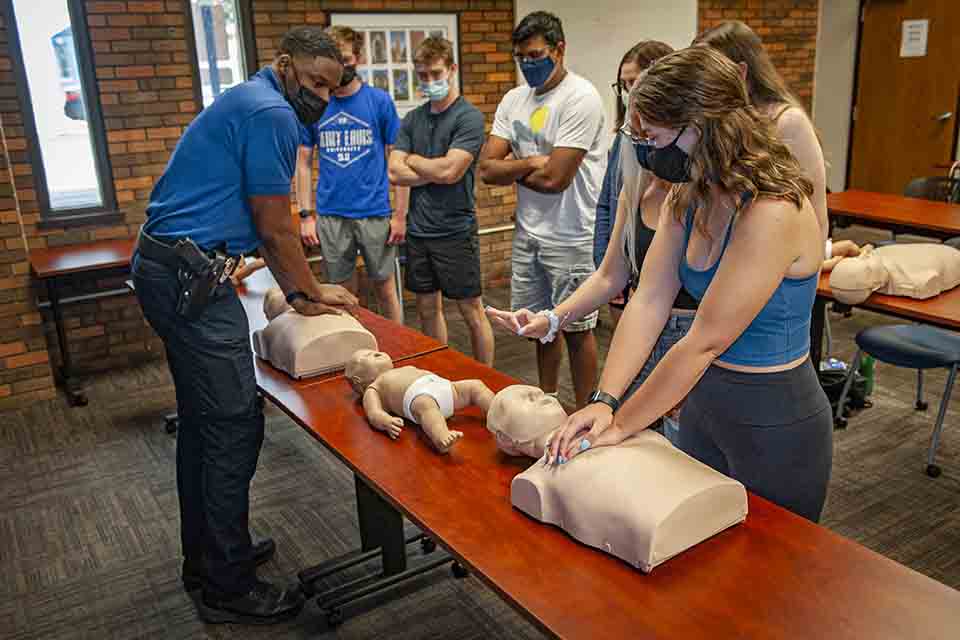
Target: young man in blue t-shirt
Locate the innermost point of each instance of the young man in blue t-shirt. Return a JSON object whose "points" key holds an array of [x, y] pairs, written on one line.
{"points": [[354, 137]]}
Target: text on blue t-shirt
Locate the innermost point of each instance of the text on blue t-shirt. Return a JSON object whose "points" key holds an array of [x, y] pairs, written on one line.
{"points": [[351, 140]]}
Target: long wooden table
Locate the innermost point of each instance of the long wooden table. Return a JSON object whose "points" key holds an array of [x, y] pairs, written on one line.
{"points": [[898, 213], [776, 575], [54, 264]]}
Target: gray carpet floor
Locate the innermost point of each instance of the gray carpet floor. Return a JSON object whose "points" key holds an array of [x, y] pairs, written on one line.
{"points": [[89, 527]]}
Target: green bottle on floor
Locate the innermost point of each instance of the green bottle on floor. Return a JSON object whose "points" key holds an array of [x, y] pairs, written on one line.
{"points": [[867, 368]]}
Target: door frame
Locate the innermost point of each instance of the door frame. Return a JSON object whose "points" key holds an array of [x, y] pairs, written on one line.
{"points": [[856, 91]]}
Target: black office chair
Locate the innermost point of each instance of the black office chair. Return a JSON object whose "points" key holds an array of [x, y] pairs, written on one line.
{"points": [[939, 188]]}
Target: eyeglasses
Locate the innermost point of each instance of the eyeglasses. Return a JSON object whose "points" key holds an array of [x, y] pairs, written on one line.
{"points": [[531, 56], [632, 135]]}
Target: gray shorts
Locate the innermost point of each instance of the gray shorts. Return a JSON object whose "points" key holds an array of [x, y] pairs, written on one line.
{"points": [[545, 275], [342, 238]]}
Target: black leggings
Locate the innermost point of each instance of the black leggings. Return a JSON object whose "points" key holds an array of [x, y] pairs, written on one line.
{"points": [[771, 431]]}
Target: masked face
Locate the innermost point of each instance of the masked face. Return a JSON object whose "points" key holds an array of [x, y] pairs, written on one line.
{"points": [[436, 90], [670, 163], [536, 72], [308, 106], [349, 74], [536, 59]]}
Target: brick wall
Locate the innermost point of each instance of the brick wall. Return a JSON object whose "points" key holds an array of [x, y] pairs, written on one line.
{"points": [[146, 87], [788, 29]]}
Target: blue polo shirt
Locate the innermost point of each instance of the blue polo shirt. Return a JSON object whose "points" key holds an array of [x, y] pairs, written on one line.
{"points": [[244, 144], [351, 139]]}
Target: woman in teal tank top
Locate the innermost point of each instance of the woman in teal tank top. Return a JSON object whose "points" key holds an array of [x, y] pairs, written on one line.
{"points": [[739, 233]]}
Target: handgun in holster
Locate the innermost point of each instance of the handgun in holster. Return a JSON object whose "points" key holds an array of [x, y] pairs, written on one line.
{"points": [[199, 277]]}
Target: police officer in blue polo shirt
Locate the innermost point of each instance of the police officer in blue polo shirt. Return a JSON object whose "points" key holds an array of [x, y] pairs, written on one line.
{"points": [[224, 193]]}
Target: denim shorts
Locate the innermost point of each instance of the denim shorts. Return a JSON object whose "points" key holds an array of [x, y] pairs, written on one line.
{"points": [[545, 275], [677, 326]]}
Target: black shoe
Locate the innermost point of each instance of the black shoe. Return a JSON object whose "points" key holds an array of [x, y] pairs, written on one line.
{"points": [[263, 551], [265, 603]]}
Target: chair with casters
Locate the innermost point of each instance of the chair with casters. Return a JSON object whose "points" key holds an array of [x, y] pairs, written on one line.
{"points": [[917, 347]]}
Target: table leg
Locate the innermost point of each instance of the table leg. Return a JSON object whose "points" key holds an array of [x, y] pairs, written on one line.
{"points": [[75, 395], [381, 526], [382, 535], [816, 331]]}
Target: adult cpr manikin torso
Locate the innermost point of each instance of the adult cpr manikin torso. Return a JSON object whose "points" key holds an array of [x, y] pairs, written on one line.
{"points": [[304, 346], [920, 270], [643, 501]]}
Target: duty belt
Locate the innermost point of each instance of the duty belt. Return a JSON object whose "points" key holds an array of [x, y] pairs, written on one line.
{"points": [[199, 272]]}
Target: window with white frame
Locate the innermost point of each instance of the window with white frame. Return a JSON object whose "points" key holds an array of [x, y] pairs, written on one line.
{"points": [[222, 44], [390, 40]]}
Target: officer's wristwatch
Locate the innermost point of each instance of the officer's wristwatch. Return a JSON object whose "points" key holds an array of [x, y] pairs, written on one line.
{"points": [[604, 398], [293, 296], [306, 213]]}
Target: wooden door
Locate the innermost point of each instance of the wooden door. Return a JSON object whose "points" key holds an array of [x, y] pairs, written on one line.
{"points": [[905, 111]]}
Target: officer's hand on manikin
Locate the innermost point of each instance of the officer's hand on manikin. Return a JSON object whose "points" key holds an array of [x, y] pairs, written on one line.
{"points": [[328, 299]]}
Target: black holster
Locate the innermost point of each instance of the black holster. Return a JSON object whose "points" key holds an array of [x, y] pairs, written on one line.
{"points": [[199, 272]]}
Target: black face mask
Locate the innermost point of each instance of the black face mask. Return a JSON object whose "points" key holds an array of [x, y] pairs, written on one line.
{"points": [[308, 106], [349, 73], [670, 163]]}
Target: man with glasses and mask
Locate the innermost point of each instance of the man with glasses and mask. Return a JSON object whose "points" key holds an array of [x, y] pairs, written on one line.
{"points": [[226, 192], [553, 127], [436, 155], [354, 139]]}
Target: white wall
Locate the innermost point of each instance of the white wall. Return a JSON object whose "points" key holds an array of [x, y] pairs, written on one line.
{"points": [[599, 32], [833, 84]]}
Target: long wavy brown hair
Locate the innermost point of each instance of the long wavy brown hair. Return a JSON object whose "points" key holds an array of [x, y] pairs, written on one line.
{"points": [[739, 148], [740, 43]]}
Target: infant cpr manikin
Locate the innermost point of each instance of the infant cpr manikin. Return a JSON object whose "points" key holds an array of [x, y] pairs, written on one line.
{"points": [[643, 500], [389, 395], [304, 346], [918, 270]]}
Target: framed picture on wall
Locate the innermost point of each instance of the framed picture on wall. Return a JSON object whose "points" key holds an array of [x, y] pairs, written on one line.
{"points": [[389, 43]]}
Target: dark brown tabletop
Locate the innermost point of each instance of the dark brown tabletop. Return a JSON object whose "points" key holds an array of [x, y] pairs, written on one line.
{"points": [[89, 256], [396, 340], [774, 576], [887, 209], [941, 311]]}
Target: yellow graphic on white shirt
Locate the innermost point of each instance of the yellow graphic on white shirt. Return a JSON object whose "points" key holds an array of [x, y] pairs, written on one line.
{"points": [[538, 119]]}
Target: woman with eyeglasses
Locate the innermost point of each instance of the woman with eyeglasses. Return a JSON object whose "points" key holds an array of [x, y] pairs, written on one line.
{"points": [[738, 231], [633, 62], [637, 210]]}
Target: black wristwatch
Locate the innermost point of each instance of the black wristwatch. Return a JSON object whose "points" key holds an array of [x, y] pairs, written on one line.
{"points": [[306, 213], [293, 296], [604, 398]]}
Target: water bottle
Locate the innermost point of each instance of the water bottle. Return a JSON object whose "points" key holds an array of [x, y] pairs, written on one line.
{"points": [[867, 369]]}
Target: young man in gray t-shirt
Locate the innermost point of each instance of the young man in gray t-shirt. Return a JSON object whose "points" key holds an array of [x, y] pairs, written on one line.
{"points": [[435, 154]]}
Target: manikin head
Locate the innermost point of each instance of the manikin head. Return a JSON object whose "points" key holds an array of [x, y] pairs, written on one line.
{"points": [[274, 303], [854, 279], [365, 366], [522, 417]]}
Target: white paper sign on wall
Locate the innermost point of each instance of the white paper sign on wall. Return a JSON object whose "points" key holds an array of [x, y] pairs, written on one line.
{"points": [[913, 41]]}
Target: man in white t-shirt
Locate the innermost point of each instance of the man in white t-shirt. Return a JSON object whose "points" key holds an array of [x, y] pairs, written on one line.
{"points": [[553, 128]]}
